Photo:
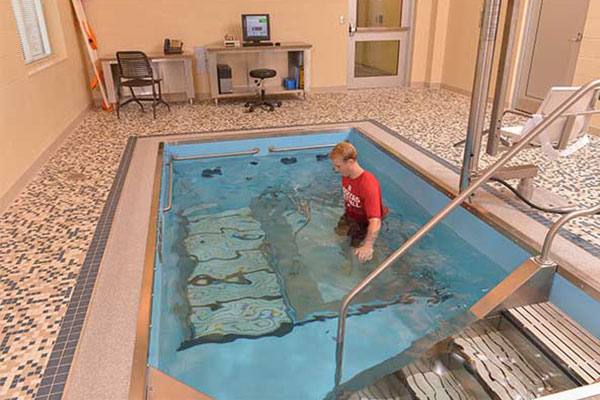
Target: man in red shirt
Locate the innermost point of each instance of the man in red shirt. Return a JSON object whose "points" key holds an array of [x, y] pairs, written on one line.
{"points": [[362, 198]]}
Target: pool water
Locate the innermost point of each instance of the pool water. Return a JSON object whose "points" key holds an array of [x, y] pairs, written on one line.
{"points": [[250, 274]]}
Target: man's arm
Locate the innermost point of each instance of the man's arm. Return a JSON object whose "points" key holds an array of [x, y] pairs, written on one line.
{"points": [[365, 251]]}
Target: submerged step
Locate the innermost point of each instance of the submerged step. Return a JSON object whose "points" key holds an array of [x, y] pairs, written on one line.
{"points": [[387, 388], [498, 364], [567, 341], [431, 381], [490, 359], [507, 363]]}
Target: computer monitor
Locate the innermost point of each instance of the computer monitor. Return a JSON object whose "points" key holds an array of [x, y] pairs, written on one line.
{"points": [[255, 27]]}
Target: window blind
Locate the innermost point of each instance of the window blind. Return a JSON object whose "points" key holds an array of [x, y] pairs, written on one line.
{"points": [[31, 25]]}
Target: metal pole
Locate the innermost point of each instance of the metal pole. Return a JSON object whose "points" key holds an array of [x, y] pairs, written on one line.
{"points": [[504, 66], [481, 86], [458, 200]]}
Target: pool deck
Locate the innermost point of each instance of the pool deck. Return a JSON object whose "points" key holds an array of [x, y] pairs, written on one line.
{"points": [[47, 231]]}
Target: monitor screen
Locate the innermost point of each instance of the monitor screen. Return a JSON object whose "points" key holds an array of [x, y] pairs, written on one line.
{"points": [[255, 27]]}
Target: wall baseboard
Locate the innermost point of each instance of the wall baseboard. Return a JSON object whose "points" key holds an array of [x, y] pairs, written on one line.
{"points": [[426, 85], [459, 90], [322, 89], [11, 194], [329, 89]]}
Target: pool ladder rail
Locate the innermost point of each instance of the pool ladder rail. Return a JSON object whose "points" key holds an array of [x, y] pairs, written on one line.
{"points": [[477, 182]]}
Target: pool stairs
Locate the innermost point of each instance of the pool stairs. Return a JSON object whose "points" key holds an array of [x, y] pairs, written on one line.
{"points": [[520, 352]]}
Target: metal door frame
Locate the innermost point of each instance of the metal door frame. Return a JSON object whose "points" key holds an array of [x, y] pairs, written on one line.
{"points": [[527, 45], [404, 35]]}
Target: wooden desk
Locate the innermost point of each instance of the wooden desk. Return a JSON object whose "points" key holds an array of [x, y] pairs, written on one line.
{"points": [[249, 89], [158, 61]]}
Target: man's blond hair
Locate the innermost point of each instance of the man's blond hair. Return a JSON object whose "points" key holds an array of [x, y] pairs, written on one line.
{"points": [[343, 150]]}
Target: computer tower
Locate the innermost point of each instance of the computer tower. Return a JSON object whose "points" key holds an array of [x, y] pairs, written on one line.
{"points": [[224, 77]]}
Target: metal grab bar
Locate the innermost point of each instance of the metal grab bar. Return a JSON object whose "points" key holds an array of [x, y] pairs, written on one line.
{"points": [[485, 176], [175, 158], [543, 258], [239, 153], [170, 194], [282, 149]]}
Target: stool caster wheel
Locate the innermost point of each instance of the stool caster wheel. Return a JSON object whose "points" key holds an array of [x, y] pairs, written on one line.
{"points": [[246, 104], [278, 104], [271, 108]]}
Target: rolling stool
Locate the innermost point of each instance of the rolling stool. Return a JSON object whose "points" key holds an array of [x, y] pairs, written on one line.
{"points": [[261, 75]]}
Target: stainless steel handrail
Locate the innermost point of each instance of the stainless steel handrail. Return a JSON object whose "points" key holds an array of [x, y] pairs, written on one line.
{"points": [[316, 146], [543, 258], [170, 194], [175, 158], [239, 153], [476, 184]]}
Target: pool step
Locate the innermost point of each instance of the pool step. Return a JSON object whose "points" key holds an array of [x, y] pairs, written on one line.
{"points": [[432, 381], [427, 379], [490, 359], [500, 367], [389, 388], [565, 340]]}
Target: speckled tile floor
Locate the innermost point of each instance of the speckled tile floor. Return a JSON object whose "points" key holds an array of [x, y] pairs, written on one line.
{"points": [[45, 233]]}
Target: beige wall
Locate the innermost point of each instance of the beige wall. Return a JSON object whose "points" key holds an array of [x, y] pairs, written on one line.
{"points": [[122, 25], [431, 25], [37, 102], [143, 25], [462, 40], [461, 44]]}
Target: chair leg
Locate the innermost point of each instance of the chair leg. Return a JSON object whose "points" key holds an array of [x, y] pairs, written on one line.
{"points": [[153, 101], [134, 98], [118, 101], [160, 99]]}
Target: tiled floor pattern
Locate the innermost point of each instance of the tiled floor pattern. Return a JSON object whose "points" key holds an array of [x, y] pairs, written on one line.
{"points": [[46, 232]]}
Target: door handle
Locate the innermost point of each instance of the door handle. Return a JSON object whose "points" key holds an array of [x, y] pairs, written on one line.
{"points": [[576, 39], [351, 28]]}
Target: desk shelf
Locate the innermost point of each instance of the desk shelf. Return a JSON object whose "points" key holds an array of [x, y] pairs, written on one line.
{"points": [[268, 91], [294, 51]]}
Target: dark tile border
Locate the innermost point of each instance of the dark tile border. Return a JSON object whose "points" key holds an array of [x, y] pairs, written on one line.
{"points": [[57, 370], [61, 357]]}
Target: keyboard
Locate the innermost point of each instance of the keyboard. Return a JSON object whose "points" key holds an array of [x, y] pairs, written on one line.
{"points": [[251, 44]]}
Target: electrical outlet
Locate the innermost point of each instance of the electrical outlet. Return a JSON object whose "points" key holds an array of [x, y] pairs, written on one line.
{"points": [[342, 20]]}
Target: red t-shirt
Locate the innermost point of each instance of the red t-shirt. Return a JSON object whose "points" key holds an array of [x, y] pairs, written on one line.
{"points": [[362, 197]]}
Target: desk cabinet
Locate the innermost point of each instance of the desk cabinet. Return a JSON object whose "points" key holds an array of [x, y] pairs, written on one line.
{"points": [[248, 58], [182, 80]]}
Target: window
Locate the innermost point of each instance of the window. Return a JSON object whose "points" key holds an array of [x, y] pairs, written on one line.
{"points": [[31, 25]]}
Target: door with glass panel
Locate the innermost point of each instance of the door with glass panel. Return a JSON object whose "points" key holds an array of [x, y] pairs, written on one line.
{"points": [[553, 36], [378, 45]]}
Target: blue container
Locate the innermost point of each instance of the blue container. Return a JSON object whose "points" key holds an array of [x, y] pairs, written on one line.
{"points": [[289, 83]]}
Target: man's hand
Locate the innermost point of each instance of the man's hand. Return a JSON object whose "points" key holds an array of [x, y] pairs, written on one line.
{"points": [[364, 252]]}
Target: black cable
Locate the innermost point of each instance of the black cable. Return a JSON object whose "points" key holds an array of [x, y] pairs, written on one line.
{"points": [[529, 203]]}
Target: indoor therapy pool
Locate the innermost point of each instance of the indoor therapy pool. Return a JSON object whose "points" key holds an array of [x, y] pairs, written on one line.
{"points": [[250, 273]]}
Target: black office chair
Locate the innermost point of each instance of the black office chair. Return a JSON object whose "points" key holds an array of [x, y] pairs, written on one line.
{"points": [[261, 75], [136, 71]]}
